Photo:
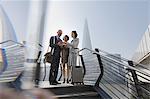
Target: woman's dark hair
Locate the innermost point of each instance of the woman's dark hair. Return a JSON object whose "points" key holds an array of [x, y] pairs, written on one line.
{"points": [[66, 37], [75, 33]]}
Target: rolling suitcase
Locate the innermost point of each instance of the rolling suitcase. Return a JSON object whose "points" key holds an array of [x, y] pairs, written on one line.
{"points": [[77, 74]]}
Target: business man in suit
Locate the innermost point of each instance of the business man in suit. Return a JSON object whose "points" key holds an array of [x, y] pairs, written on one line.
{"points": [[55, 44]]}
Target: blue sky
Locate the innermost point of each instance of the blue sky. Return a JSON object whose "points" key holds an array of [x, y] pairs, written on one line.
{"points": [[115, 26]]}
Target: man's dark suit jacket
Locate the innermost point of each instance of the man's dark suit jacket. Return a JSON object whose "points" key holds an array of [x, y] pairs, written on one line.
{"points": [[54, 46]]}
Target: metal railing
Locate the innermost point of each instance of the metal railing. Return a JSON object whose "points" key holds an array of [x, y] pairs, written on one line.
{"points": [[118, 78], [15, 58], [93, 70], [91, 66]]}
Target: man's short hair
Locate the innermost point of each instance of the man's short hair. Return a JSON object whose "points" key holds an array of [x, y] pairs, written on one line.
{"points": [[59, 31]]}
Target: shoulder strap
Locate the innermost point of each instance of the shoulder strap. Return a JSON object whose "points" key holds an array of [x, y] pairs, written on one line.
{"points": [[54, 42]]}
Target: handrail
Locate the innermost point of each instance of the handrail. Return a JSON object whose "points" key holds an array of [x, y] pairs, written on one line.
{"points": [[102, 93], [88, 50], [124, 59], [101, 67], [99, 61], [13, 63], [131, 76], [130, 67], [11, 41]]}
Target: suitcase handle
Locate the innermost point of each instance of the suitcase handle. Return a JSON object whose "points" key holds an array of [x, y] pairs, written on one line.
{"points": [[77, 66]]}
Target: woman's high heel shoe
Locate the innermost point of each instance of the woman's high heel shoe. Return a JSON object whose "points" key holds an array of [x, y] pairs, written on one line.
{"points": [[67, 81], [64, 80]]}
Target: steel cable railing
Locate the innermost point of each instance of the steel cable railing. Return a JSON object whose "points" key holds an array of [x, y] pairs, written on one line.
{"points": [[113, 78], [91, 74], [126, 65], [120, 79], [116, 69], [139, 72], [124, 89], [15, 59]]}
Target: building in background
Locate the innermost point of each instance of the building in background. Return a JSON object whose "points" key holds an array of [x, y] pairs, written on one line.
{"points": [[7, 31], [142, 58], [142, 53], [86, 43]]}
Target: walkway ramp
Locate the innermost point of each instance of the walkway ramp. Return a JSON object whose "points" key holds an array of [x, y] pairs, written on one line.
{"points": [[105, 75], [75, 92]]}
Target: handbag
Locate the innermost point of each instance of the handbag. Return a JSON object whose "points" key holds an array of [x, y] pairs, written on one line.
{"points": [[49, 55]]}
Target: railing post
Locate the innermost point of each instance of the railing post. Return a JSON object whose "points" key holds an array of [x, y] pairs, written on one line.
{"points": [[101, 68], [82, 61], [38, 69], [135, 78]]}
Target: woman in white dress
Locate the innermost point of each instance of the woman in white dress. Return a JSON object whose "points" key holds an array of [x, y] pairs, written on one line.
{"points": [[73, 52]]}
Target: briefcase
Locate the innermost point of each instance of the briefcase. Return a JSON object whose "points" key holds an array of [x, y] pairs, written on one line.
{"points": [[48, 57]]}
